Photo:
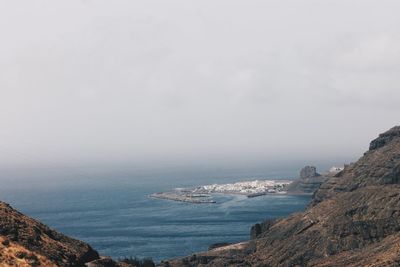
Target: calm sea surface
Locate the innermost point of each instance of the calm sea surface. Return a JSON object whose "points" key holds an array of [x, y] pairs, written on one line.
{"points": [[119, 219]]}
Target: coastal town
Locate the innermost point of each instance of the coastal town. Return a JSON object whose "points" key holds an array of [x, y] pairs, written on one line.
{"points": [[203, 194], [247, 188]]}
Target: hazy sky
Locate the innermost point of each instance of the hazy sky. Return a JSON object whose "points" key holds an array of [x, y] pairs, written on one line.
{"points": [[100, 81]]}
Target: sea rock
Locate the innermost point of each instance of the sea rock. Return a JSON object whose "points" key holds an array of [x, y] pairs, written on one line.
{"points": [[307, 183], [308, 172]]}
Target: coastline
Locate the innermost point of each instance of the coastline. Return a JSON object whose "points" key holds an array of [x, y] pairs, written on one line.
{"points": [[204, 194], [183, 198]]}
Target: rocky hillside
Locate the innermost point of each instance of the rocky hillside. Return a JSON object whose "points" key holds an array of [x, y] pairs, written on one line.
{"points": [[353, 220], [27, 242]]}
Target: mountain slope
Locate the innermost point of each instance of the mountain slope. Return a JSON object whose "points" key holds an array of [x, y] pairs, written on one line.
{"points": [[27, 242], [353, 220]]}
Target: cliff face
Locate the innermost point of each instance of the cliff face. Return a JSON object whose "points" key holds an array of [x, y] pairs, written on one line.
{"points": [[27, 242], [353, 220]]}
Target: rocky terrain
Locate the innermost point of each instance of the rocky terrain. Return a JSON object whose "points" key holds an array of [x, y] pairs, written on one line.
{"points": [[353, 220]]}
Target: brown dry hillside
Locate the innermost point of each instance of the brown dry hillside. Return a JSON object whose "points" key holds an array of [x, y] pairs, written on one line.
{"points": [[27, 242], [353, 220]]}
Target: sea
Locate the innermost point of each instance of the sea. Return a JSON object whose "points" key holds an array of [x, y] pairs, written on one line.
{"points": [[114, 214]]}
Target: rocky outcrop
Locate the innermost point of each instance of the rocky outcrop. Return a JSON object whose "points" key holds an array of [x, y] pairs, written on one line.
{"points": [[353, 220], [308, 182], [259, 228], [385, 138], [309, 172]]}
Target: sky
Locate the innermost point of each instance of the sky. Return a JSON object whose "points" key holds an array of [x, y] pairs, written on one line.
{"points": [[184, 82]]}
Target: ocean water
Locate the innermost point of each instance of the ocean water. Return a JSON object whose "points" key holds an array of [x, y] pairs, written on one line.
{"points": [[119, 219]]}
